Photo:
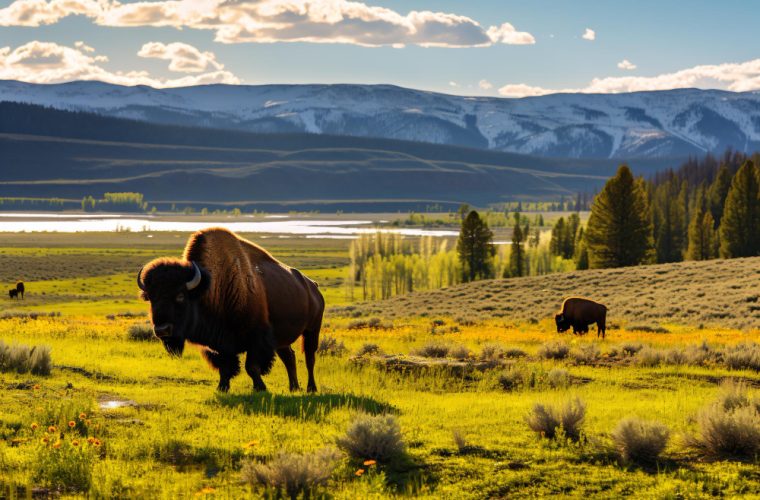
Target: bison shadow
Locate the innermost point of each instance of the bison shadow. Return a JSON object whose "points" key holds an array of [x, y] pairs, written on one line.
{"points": [[303, 406]]}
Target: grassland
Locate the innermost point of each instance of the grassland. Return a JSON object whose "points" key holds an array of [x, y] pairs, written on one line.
{"points": [[163, 432]]}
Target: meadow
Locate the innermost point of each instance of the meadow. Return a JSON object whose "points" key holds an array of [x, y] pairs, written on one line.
{"points": [[460, 370]]}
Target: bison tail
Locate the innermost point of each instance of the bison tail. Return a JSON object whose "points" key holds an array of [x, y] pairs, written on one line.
{"points": [[264, 350]]}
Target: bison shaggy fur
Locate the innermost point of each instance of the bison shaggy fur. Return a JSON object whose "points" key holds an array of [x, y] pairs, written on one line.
{"points": [[578, 313]]}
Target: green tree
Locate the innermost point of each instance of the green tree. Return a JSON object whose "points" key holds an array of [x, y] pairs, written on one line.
{"points": [[557, 243], [718, 192], [475, 248], [517, 253], [740, 224], [669, 215], [463, 210], [581, 251], [619, 230]]}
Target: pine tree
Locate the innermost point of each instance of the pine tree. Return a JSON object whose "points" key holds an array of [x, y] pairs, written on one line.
{"points": [[517, 253], [739, 236], [669, 216], [475, 248], [619, 230], [581, 251], [702, 234], [556, 244], [718, 192]]}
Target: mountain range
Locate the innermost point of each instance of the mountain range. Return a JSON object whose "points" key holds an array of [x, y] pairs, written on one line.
{"points": [[642, 125]]}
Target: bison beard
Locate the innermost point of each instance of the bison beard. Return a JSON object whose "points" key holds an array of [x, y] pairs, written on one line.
{"points": [[232, 297]]}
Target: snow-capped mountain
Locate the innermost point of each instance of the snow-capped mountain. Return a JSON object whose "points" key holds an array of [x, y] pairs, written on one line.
{"points": [[634, 125]]}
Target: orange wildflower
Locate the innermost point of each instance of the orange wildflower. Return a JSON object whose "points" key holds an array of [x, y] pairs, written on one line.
{"points": [[72, 424], [57, 444], [90, 439], [82, 416], [45, 440], [36, 387], [359, 472], [96, 442], [34, 426], [370, 462], [51, 429], [87, 422], [75, 442]]}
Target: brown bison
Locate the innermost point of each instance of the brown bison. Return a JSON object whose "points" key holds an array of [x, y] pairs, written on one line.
{"points": [[579, 313], [20, 288], [13, 293], [231, 296]]}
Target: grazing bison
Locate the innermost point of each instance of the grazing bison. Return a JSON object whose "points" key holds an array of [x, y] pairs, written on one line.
{"points": [[231, 296], [20, 288], [13, 293], [579, 313]]}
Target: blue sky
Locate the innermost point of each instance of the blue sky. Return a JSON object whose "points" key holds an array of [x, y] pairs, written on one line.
{"points": [[462, 47]]}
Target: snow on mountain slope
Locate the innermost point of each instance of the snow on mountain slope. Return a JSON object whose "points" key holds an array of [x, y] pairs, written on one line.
{"points": [[642, 124]]}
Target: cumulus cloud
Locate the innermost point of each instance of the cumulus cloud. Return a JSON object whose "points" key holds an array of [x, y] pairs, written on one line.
{"points": [[589, 35], [182, 57], [453, 84], [485, 84], [626, 64], [269, 21], [45, 62], [737, 77]]}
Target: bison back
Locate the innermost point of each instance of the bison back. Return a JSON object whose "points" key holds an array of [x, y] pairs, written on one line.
{"points": [[582, 310]]}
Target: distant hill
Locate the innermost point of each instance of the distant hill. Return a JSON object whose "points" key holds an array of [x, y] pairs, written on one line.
{"points": [[710, 293], [53, 153], [671, 124]]}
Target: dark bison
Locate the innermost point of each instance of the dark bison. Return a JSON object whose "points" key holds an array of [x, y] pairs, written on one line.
{"points": [[13, 293], [579, 313], [231, 296], [20, 288]]}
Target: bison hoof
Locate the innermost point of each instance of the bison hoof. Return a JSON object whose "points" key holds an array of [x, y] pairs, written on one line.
{"points": [[311, 388], [295, 388], [260, 388], [223, 387]]}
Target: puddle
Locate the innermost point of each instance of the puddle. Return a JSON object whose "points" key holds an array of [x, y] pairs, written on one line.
{"points": [[112, 404]]}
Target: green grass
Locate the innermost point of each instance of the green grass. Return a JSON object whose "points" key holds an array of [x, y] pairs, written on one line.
{"points": [[174, 436]]}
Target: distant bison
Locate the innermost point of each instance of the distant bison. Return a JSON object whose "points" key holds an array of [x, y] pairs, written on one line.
{"points": [[20, 288], [13, 293], [231, 296], [579, 313]]}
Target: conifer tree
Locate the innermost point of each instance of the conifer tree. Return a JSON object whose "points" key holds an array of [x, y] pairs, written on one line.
{"points": [[475, 248], [702, 234], [517, 253], [740, 224], [619, 230], [669, 221], [718, 192], [581, 251]]}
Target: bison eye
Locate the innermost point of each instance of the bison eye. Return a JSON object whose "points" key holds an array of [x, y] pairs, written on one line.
{"points": [[180, 298]]}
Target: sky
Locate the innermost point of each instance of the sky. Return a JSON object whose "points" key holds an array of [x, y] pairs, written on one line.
{"points": [[503, 48]]}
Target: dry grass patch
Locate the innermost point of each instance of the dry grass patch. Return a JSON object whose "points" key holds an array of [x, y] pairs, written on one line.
{"points": [[293, 474], [554, 350], [640, 441], [565, 419], [21, 358], [376, 437]]}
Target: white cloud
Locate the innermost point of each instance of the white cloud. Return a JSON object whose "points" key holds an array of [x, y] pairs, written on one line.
{"points": [[737, 77], [453, 84], [44, 62], [506, 33], [589, 35], [626, 64], [183, 58], [485, 84], [269, 21]]}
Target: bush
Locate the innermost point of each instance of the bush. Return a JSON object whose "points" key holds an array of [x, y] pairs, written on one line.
{"points": [[701, 354], [292, 473], [640, 441], [459, 440], [514, 352], [554, 350], [647, 329], [459, 352], [330, 346], [631, 348], [368, 348], [432, 350], [21, 358], [676, 357], [745, 356], [141, 332], [558, 378], [732, 395], [585, 354], [377, 437], [553, 421], [372, 324], [511, 380], [648, 357], [724, 433], [492, 352]]}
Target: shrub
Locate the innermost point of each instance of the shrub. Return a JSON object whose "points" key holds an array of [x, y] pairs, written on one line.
{"points": [[726, 433], [21, 358], [552, 421], [432, 350], [640, 441], [510, 380], [647, 329], [459, 440], [676, 357], [585, 354], [743, 356], [372, 324], [373, 436], [514, 352], [330, 346], [631, 348], [492, 352], [368, 348], [554, 350], [701, 354], [459, 352], [732, 396], [293, 473], [558, 378], [141, 332], [648, 356]]}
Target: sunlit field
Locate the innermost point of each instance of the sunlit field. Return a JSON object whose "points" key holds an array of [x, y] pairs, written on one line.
{"points": [[129, 421]]}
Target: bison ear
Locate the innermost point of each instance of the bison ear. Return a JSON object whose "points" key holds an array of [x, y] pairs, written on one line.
{"points": [[203, 285]]}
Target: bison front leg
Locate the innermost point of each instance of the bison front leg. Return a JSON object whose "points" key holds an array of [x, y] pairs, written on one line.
{"points": [[227, 364], [254, 371]]}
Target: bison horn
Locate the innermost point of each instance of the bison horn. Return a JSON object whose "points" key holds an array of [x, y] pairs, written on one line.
{"points": [[139, 279], [196, 277]]}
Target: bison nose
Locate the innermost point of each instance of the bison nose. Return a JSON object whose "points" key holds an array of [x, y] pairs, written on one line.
{"points": [[164, 330]]}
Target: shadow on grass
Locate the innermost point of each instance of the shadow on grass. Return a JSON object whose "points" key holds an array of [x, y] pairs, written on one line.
{"points": [[303, 406]]}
